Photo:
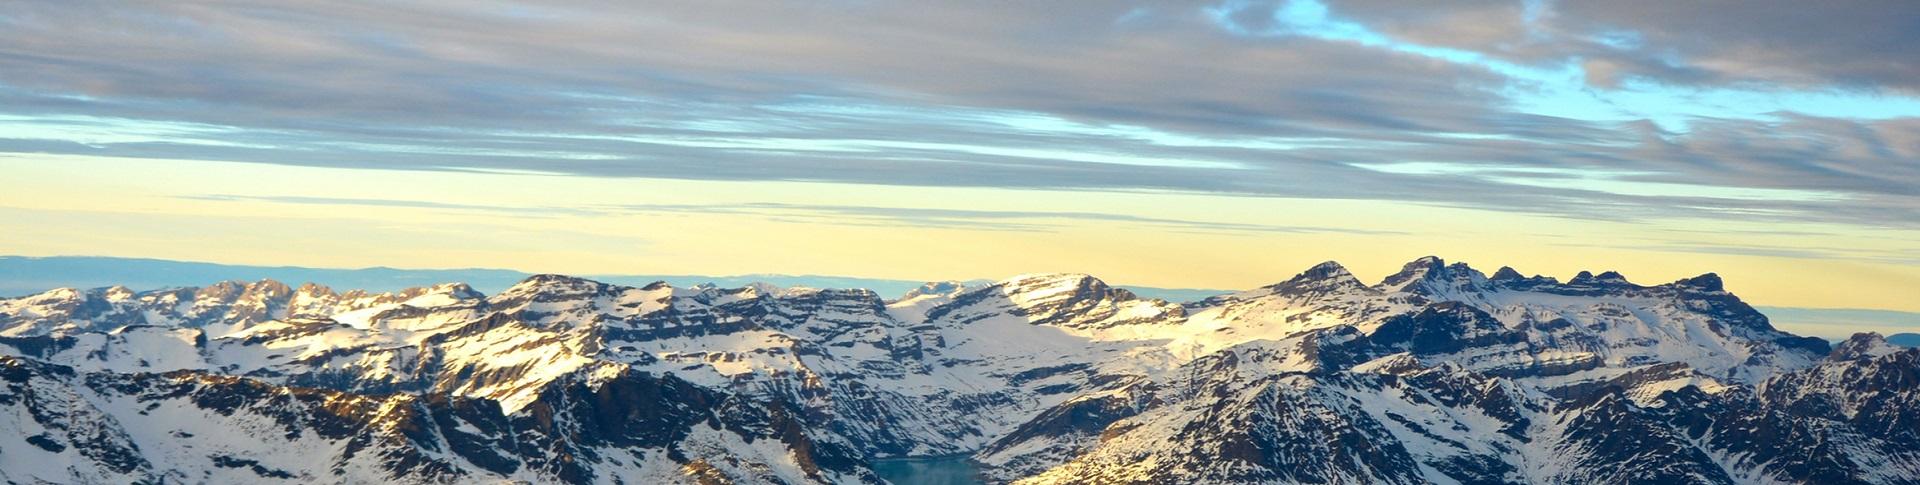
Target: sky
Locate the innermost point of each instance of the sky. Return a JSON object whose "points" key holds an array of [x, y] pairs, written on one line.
{"points": [[1225, 144]]}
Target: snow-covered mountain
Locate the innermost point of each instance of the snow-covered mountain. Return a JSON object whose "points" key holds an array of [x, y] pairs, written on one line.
{"points": [[1437, 374]]}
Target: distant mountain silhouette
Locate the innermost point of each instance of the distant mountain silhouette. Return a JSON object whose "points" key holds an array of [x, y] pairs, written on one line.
{"points": [[1904, 339], [20, 275]]}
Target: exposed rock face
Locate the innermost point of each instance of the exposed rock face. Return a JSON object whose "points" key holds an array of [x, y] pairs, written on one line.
{"points": [[1439, 373], [626, 426]]}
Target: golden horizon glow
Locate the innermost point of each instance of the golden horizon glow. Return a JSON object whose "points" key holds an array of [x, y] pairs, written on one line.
{"points": [[244, 213]]}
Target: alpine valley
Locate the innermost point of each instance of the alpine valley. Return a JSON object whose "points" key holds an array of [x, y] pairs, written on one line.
{"points": [[1438, 374]]}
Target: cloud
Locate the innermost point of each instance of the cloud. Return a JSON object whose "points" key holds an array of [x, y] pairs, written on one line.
{"points": [[1842, 45], [413, 204], [1108, 95], [1026, 221], [1019, 221], [1853, 45], [1864, 255]]}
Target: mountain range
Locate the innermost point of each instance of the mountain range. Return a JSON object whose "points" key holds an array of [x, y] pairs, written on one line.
{"points": [[1440, 373], [24, 275]]}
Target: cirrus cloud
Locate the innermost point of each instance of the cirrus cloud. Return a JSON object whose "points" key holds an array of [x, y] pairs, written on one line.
{"points": [[1552, 108]]}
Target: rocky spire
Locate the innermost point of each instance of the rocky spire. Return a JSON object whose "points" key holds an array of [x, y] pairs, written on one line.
{"points": [[1705, 282], [1431, 276], [1506, 273], [1323, 277], [1424, 268]]}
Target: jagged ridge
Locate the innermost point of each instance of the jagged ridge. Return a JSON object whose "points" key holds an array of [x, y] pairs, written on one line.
{"points": [[1436, 372]]}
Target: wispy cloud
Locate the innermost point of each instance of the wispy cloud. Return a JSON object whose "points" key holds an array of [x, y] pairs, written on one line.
{"points": [[1545, 107], [1908, 257], [412, 204], [850, 215], [1031, 221]]}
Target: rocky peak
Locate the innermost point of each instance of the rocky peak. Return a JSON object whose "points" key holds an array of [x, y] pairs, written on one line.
{"points": [[458, 290], [1705, 282], [1863, 345], [1063, 299], [222, 291], [443, 293], [1506, 273], [552, 297], [1415, 270], [712, 294], [1325, 270], [50, 307], [1325, 277], [551, 284], [268, 289], [935, 289], [831, 301], [1608, 278], [54, 296], [1033, 287], [1509, 278], [312, 299], [266, 292], [1432, 276], [118, 293], [848, 294], [550, 279], [763, 289], [314, 290]]}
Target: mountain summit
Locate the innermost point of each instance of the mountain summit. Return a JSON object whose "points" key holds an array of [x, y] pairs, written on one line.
{"points": [[1437, 374]]}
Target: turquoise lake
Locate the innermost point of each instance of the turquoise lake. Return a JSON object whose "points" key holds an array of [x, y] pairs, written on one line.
{"points": [[928, 470]]}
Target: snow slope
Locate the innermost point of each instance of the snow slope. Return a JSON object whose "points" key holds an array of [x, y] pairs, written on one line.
{"points": [[1437, 374]]}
